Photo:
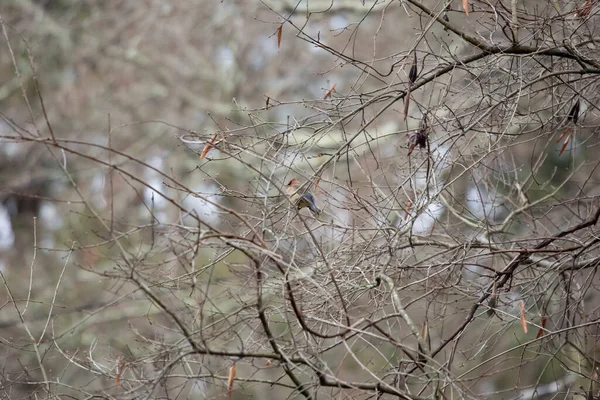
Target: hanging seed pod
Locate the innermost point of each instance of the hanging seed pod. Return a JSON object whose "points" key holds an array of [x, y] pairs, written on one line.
{"points": [[574, 113], [543, 319], [412, 73], [412, 77]]}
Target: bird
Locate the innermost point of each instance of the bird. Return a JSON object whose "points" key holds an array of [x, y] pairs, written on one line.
{"points": [[302, 200]]}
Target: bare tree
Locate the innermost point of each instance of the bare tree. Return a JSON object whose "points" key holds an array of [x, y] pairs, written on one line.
{"points": [[452, 251]]}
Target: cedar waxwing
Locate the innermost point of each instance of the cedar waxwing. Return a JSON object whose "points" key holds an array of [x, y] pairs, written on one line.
{"points": [[302, 200]]}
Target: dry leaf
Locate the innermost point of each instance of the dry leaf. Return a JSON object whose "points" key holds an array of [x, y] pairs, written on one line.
{"points": [[408, 206], [267, 102], [279, 32], [208, 146], [523, 319], [329, 91], [418, 138], [563, 135], [425, 335], [564, 146], [411, 148], [230, 380], [585, 9], [269, 362], [317, 183], [120, 368], [466, 6], [541, 330], [406, 102], [426, 340]]}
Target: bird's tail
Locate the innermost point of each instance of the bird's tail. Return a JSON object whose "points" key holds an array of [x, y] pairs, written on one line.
{"points": [[313, 208]]}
